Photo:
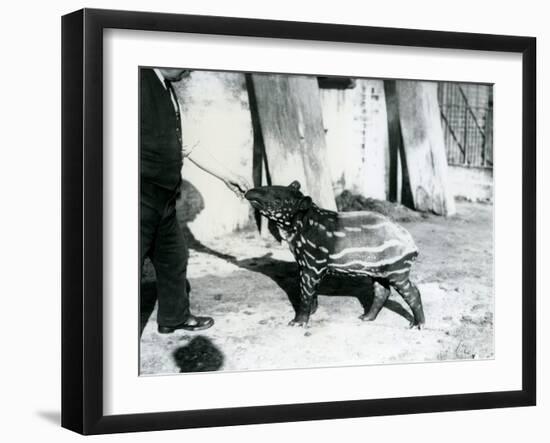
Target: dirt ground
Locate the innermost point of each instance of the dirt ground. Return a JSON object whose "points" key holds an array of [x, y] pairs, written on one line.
{"points": [[247, 283]]}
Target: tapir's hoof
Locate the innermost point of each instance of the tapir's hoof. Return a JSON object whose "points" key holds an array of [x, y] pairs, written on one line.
{"points": [[414, 325], [298, 322], [367, 317]]}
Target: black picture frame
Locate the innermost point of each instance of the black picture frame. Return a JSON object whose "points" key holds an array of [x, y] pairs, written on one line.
{"points": [[82, 218]]}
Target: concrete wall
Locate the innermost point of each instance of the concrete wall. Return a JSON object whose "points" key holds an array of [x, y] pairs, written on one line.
{"points": [[475, 184], [357, 138]]}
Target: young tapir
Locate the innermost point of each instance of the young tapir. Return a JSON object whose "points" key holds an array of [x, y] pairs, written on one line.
{"points": [[365, 244]]}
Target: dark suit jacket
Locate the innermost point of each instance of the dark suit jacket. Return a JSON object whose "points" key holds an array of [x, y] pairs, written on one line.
{"points": [[160, 139]]}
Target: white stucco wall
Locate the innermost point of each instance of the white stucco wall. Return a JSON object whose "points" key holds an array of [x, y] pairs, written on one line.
{"points": [[475, 184], [357, 138], [215, 114]]}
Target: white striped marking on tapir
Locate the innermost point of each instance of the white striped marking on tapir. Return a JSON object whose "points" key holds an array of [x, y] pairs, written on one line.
{"points": [[387, 261], [310, 243], [398, 271], [379, 248], [352, 229], [313, 268], [351, 263]]}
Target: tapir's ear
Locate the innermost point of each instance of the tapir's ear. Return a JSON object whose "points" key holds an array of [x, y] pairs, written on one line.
{"points": [[305, 203], [295, 184]]}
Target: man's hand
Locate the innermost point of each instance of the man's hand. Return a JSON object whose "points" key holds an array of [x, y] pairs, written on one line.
{"points": [[239, 185]]}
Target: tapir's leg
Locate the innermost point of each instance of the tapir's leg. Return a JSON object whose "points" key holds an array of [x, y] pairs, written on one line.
{"points": [[314, 304], [381, 294], [411, 295], [309, 282]]}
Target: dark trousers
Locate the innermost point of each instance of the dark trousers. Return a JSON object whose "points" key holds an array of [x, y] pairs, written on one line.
{"points": [[163, 242]]}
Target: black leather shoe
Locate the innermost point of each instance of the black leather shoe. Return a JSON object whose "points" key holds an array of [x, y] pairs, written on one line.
{"points": [[192, 323]]}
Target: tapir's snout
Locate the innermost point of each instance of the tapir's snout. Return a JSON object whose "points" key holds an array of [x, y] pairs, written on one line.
{"points": [[254, 194], [256, 197]]}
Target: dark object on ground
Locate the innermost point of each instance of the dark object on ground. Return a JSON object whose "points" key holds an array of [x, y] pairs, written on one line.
{"points": [[362, 244], [199, 355], [347, 201]]}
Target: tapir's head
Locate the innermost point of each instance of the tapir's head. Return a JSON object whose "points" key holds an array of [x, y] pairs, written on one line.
{"points": [[280, 204]]}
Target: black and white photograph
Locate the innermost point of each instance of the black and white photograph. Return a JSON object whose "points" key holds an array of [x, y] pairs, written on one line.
{"points": [[275, 222], [291, 221]]}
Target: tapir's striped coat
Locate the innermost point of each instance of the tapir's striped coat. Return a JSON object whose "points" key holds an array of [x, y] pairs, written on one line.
{"points": [[351, 243]]}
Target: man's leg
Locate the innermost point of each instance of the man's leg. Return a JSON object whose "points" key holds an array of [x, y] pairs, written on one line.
{"points": [[149, 220], [169, 255]]}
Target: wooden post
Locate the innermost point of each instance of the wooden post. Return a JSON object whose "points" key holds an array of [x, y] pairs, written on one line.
{"points": [[488, 147], [289, 112], [259, 171], [395, 139], [424, 156]]}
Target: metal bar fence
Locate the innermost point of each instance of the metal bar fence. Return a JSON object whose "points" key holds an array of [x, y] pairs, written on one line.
{"points": [[466, 118]]}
